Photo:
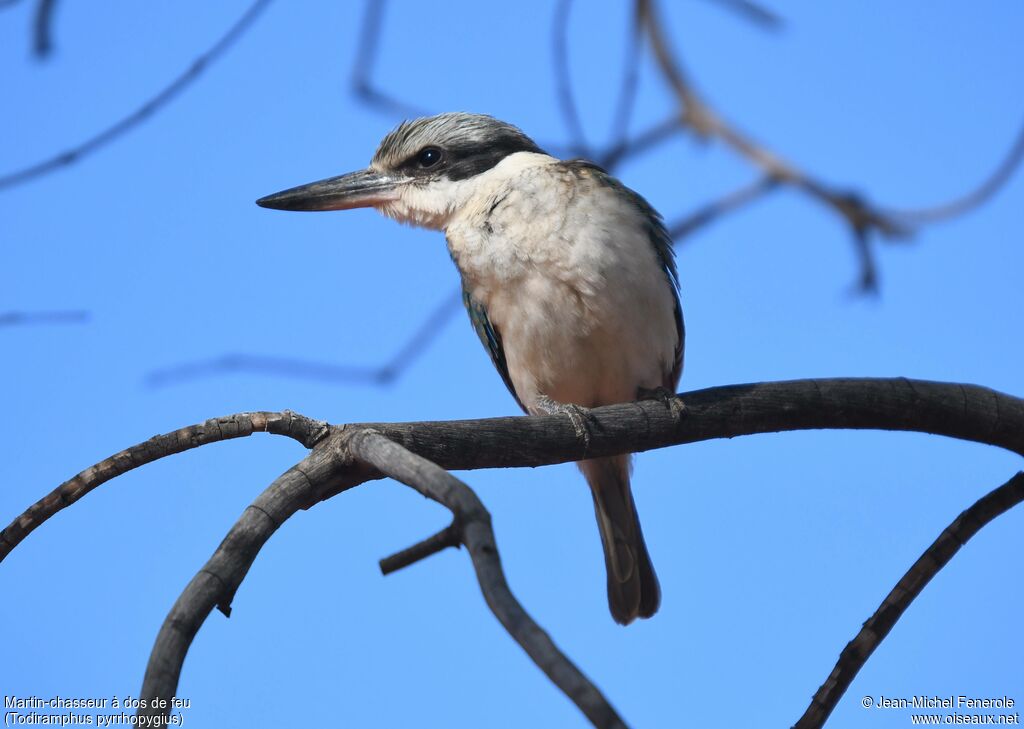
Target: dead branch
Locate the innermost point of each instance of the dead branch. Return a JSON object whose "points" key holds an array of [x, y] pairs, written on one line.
{"points": [[967, 412], [216, 583], [144, 112], [563, 80], [43, 35], [973, 199], [473, 523], [418, 453], [442, 540], [757, 14], [293, 425], [30, 318], [417, 343], [717, 209], [877, 627], [363, 87], [863, 218]]}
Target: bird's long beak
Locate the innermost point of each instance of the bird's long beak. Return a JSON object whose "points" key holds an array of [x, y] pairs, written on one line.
{"points": [[362, 189]]}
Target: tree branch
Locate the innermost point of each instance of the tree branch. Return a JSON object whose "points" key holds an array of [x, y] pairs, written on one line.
{"points": [[877, 627], [563, 80], [384, 374], [473, 523], [145, 111], [707, 214], [366, 57], [442, 540], [216, 583], [418, 453], [968, 412], [28, 318], [303, 429], [43, 29], [863, 218]]}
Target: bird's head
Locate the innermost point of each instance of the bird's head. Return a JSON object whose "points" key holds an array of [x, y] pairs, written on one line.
{"points": [[422, 173]]}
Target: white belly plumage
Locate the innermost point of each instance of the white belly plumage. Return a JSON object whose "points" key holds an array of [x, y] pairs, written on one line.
{"points": [[570, 280]]}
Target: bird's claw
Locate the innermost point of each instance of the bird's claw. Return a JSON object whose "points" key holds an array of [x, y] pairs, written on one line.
{"points": [[580, 417], [665, 396]]}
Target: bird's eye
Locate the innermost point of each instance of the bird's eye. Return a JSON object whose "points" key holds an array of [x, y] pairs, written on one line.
{"points": [[428, 157]]}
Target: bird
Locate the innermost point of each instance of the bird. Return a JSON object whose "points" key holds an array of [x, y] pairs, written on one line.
{"points": [[568, 277]]}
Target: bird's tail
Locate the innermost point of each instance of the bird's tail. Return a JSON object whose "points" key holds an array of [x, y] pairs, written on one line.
{"points": [[633, 590]]}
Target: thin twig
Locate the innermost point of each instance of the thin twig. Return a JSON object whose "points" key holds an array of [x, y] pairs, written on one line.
{"points": [[863, 218], [714, 210], [704, 121], [878, 626], [442, 540], [630, 81], [366, 57], [973, 199], [420, 340], [287, 423], [474, 525], [646, 141], [43, 37], [563, 79], [31, 318], [153, 105], [758, 14]]}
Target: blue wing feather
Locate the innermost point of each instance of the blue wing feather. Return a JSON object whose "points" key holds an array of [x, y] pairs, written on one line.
{"points": [[491, 339]]}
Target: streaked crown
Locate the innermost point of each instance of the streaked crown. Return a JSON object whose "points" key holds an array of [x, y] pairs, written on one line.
{"points": [[455, 145]]}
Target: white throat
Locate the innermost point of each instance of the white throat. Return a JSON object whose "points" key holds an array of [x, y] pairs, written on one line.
{"points": [[434, 204]]}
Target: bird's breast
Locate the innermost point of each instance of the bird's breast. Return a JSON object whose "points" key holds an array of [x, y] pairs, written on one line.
{"points": [[584, 310]]}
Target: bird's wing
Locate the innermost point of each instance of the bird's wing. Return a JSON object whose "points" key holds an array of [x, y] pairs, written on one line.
{"points": [[491, 339], [662, 242], [663, 249]]}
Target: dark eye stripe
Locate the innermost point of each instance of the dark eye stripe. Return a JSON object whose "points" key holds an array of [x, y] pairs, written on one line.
{"points": [[470, 160]]}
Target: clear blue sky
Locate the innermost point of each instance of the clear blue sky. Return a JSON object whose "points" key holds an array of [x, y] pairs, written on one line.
{"points": [[772, 550]]}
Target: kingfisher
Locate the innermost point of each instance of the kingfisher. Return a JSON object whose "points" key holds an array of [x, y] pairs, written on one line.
{"points": [[569, 280]]}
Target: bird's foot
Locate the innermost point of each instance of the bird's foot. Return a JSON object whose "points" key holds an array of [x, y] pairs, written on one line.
{"points": [[580, 417], [666, 397]]}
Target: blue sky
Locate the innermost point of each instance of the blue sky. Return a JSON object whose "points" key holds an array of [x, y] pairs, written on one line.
{"points": [[771, 550]]}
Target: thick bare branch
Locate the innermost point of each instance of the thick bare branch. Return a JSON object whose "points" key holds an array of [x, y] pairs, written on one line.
{"points": [[293, 425], [961, 411], [473, 522], [877, 627], [216, 583], [967, 412], [145, 111]]}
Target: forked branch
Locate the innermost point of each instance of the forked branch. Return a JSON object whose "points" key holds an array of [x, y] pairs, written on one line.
{"points": [[418, 454], [877, 627]]}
